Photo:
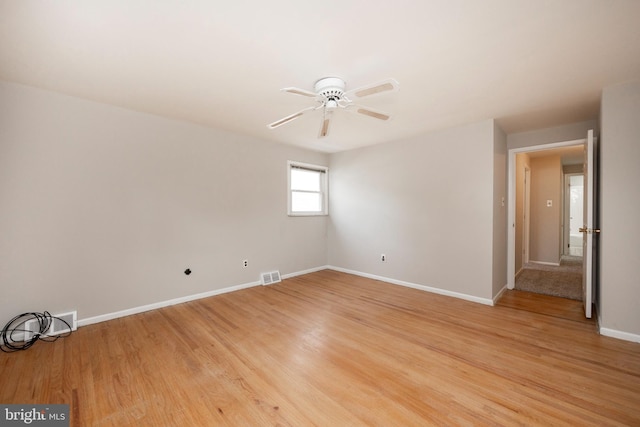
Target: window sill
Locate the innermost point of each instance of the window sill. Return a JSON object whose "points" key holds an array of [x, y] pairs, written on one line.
{"points": [[307, 214]]}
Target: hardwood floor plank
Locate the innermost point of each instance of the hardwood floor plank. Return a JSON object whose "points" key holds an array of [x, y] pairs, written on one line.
{"points": [[330, 348], [545, 304]]}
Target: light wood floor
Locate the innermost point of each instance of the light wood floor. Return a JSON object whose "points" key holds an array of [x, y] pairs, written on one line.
{"points": [[331, 349]]}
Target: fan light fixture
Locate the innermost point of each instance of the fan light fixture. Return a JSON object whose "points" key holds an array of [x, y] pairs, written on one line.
{"points": [[330, 95]]}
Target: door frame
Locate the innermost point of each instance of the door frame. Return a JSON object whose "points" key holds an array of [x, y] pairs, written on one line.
{"points": [[511, 212], [526, 238]]}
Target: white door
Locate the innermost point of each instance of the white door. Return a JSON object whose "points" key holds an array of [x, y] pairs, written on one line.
{"points": [[589, 229]]}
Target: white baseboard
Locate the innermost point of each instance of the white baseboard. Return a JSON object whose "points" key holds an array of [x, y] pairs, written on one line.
{"points": [[499, 294], [300, 273], [555, 264], [180, 300], [620, 335], [439, 291], [519, 272], [167, 303]]}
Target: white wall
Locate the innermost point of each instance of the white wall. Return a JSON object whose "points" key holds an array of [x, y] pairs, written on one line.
{"points": [[102, 209], [427, 203], [619, 299]]}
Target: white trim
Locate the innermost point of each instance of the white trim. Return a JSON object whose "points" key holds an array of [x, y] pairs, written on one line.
{"points": [[439, 291], [161, 304], [499, 294], [511, 211], [613, 333], [554, 264], [526, 211], [141, 309], [302, 272], [324, 188], [180, 300]]}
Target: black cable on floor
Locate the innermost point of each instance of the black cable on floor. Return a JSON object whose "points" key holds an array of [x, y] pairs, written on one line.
{"points": [[11, 340]]}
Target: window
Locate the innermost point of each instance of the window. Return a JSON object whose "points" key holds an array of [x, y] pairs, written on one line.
{"points": [[307, 189]]}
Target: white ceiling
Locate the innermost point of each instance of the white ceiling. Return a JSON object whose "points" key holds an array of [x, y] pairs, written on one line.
{"points": [[528, 63]]}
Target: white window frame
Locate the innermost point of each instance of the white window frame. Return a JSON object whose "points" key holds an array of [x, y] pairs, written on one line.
{"points": [[324, 188]]}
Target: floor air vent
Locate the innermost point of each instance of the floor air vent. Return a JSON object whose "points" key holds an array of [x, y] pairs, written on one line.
{"points": [[57, 326], [272, 277]]}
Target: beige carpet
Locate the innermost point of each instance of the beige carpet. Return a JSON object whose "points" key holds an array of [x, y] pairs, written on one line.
{"points": [[561, 281]]}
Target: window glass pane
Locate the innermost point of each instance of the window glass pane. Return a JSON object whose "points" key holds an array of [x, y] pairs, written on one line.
{"points": [[306, 202], [306, 180]]}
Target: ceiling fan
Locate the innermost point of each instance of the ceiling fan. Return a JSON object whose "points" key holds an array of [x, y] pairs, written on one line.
{"points": [[329, 94]]}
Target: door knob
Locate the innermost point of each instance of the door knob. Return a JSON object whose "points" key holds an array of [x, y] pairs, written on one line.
{"points": [[589, 230]]}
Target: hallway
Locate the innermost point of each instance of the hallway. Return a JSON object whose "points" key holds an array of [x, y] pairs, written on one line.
{"points": [[563, 281]]}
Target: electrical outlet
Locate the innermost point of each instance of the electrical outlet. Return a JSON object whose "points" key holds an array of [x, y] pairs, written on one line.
{"points": [[245, 263], [383, 257]]}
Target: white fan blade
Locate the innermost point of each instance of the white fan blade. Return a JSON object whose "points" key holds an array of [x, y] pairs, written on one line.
{"points": [[355, 108], [298, 91], [289, 118], [326, 121], [389, 85]]}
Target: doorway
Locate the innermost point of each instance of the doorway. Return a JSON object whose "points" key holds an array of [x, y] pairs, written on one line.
{"points": [[531, 239], [526, 206], [573, 214]]}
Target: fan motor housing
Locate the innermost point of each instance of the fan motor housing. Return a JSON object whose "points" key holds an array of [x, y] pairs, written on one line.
{"points": [[330, 88]]}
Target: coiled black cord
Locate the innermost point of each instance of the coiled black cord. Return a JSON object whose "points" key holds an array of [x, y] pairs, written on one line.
{"points": [[10, 341]]}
